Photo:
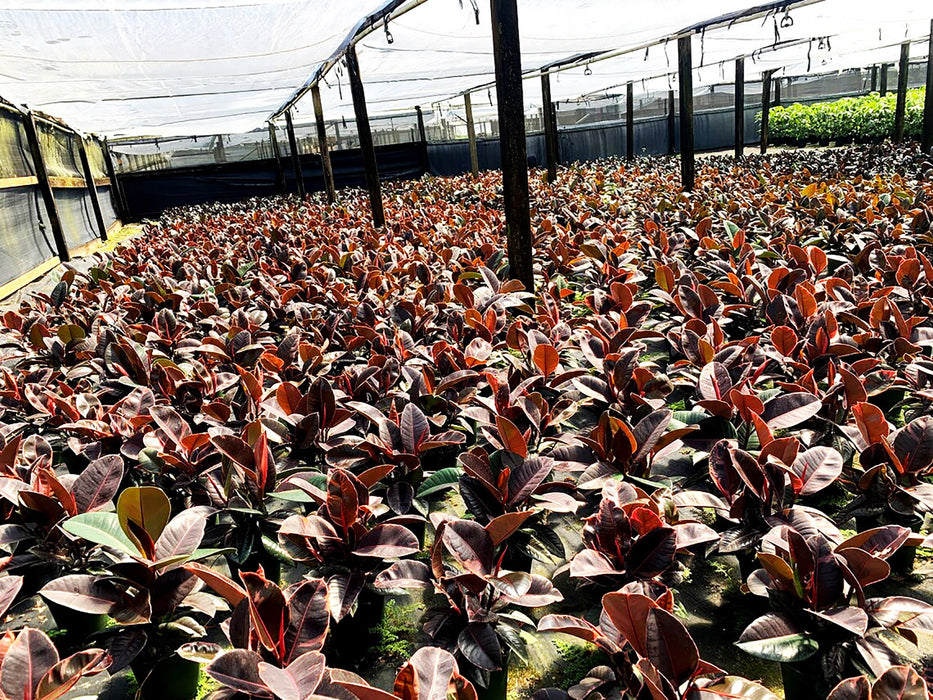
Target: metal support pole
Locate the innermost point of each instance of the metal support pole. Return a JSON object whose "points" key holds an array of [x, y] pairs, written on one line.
{"points": [[471, 134], [671, 124], [685, 82], [367, 149], [508, 62], [42, 174], [739, 107], [765, 108], [328, 171], [117, 195], [901, 110], [279, 171], [777, 92], [551, 140], [874, 79], [927, 141], [629, 121], [296, 156], [92, 188], [884, 79]]}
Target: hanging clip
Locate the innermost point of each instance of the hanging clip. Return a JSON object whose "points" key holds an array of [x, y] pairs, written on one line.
{"points": [[385, 25], [787, 21], [587, 71]]}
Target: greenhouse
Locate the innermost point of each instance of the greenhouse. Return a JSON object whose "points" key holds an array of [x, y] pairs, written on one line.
{"points": [[454, 350]]}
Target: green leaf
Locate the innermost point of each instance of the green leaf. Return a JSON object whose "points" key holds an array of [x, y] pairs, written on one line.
{"points": [[100, 528], [784, 649], [439, 481]]}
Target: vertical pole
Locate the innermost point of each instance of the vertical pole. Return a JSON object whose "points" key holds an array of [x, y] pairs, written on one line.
{"points": [[42, 174], [116, 188], [471, 134], [874, 78], [296, 156], [671, 124], [884, 79], [927, 143], [629, 121], [367, 149], [508, 62], [220, 155], [765, 108], [91, 188], [685, 81], [551, 142], [423, 139], [422, 134], [739, 107], [901, 110], [777, 91], [329, 186], [279, 172]]}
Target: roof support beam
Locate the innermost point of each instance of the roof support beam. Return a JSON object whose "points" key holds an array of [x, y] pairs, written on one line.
{"points": [[927, 141], [685, 82], [508, 61], [329, 186], [765, 109], [367, 148], [671, 124], [32, 135], [279, 172], [471, 134], [739, 107], [296, 156], [551, 140], [629, 121], [91, 188], [900, 110]]}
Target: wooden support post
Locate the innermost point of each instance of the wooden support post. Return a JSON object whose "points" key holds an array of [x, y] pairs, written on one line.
{"points": [[117, 195], [423, 139], [279, 170], [508, 61], [42, 174], [471, 134], [220, 155], [927, 141], [765, 108], [629, 121], [671, 124], [884, 79], [777, 92], [329, 186], [739, 107], [685, 81], [874, 79], [296, 156], [91, 188], [422, 134], [551, 139], [900, 111], [367, 149]]}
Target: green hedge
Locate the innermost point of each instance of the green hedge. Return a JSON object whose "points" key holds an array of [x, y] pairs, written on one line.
{"points": [[868, 117]]}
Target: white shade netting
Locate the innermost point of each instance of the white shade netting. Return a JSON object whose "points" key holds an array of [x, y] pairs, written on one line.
{"points": [[166, 67]]}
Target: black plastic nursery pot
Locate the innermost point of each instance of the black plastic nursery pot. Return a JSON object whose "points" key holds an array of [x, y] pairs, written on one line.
{"points": [[171, 678], [804, 680], [75, 626], [351, 638]]}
